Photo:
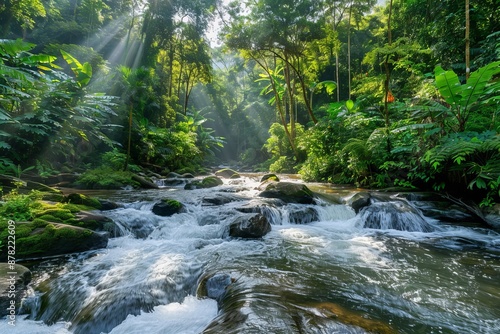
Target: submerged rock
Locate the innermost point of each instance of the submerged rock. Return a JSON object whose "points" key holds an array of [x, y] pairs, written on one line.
{"points": [[249, 226], [13, 282], [302, 215], [397, 215], [215, 286], [221, 199]]}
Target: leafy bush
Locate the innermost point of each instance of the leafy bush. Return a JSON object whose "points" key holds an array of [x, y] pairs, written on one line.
{"points": [[106, 178], [19, 207], [467, 160]]}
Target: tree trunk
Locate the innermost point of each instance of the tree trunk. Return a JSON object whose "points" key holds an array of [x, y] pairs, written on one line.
{"points": [[467, 40], [349, 53]]}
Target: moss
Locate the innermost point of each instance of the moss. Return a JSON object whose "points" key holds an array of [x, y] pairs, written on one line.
{"points": [[81, 199], [106, 178], [211, 181], [55, 215], [53, 240], [172, 203], [38, 222]]}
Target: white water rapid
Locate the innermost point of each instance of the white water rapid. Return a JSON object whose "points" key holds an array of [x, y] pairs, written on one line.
{"points": [[321, 269]]}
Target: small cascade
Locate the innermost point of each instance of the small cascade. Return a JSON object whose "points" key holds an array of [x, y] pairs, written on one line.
{"points": [[396, 215], [137, 222], [335, 212]]}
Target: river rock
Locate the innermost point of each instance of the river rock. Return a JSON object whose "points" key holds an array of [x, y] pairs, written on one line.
{"points": [[398, 215], [97, 222], [270, 177], [107, 205], [208, 182], [144, 182], [215, 286], [249, 226], [55, 239], [168, 207], [13, 283], [221, 199], [289, 192], [359, 201], [227, 173], [302, 215], [81, 199]]}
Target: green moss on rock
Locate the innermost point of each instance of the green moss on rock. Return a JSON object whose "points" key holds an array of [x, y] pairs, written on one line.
{"points": [[54, 239], [81, 199], [106, 178]]}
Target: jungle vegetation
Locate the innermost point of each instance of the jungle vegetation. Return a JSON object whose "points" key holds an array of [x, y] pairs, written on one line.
{"points": [[402, 94]]}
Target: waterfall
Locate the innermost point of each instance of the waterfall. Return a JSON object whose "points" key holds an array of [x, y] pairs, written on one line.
{"points": [[397, 215]]}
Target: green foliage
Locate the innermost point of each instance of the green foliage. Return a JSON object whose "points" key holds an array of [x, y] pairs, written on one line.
{"points": [[19, 207], [469, 159], [106, 178], [44, 110], [464, 99]]}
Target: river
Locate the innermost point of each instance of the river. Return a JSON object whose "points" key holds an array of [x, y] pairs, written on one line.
{"points": [[332, 275]]}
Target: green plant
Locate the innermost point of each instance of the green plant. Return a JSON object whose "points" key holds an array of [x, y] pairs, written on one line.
{"points": [[465, 99], [20, 207], [468, 158], [106, 178]]}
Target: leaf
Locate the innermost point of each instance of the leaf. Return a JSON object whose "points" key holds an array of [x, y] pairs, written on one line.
{"points": [[13, 47], [349, 104], [329, 85], [477, 82], [448, 85], [73, 63]]}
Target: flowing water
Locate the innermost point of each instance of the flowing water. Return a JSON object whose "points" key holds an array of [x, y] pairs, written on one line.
{"points": [[336, 274]]}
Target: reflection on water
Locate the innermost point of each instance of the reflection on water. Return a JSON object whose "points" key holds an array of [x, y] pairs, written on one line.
{"points": [[329, 276]]}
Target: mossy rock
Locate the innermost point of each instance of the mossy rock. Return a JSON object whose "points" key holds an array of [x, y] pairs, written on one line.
{"points": [[34, 241], [208, 182], [81, 199], [227, 173], [270, 177], [167, 207], [289, 192]]}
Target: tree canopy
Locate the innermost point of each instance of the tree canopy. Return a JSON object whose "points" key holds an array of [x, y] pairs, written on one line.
{"points": [[343, 91]]}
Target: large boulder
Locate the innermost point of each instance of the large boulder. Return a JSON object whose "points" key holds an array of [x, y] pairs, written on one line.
{"points": [[249, 226], [208, 182], [168, 207], [359, 201], [14, 279], [289, 192], [40, 239], [269, 177], [397, 215], [227, 173]]}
